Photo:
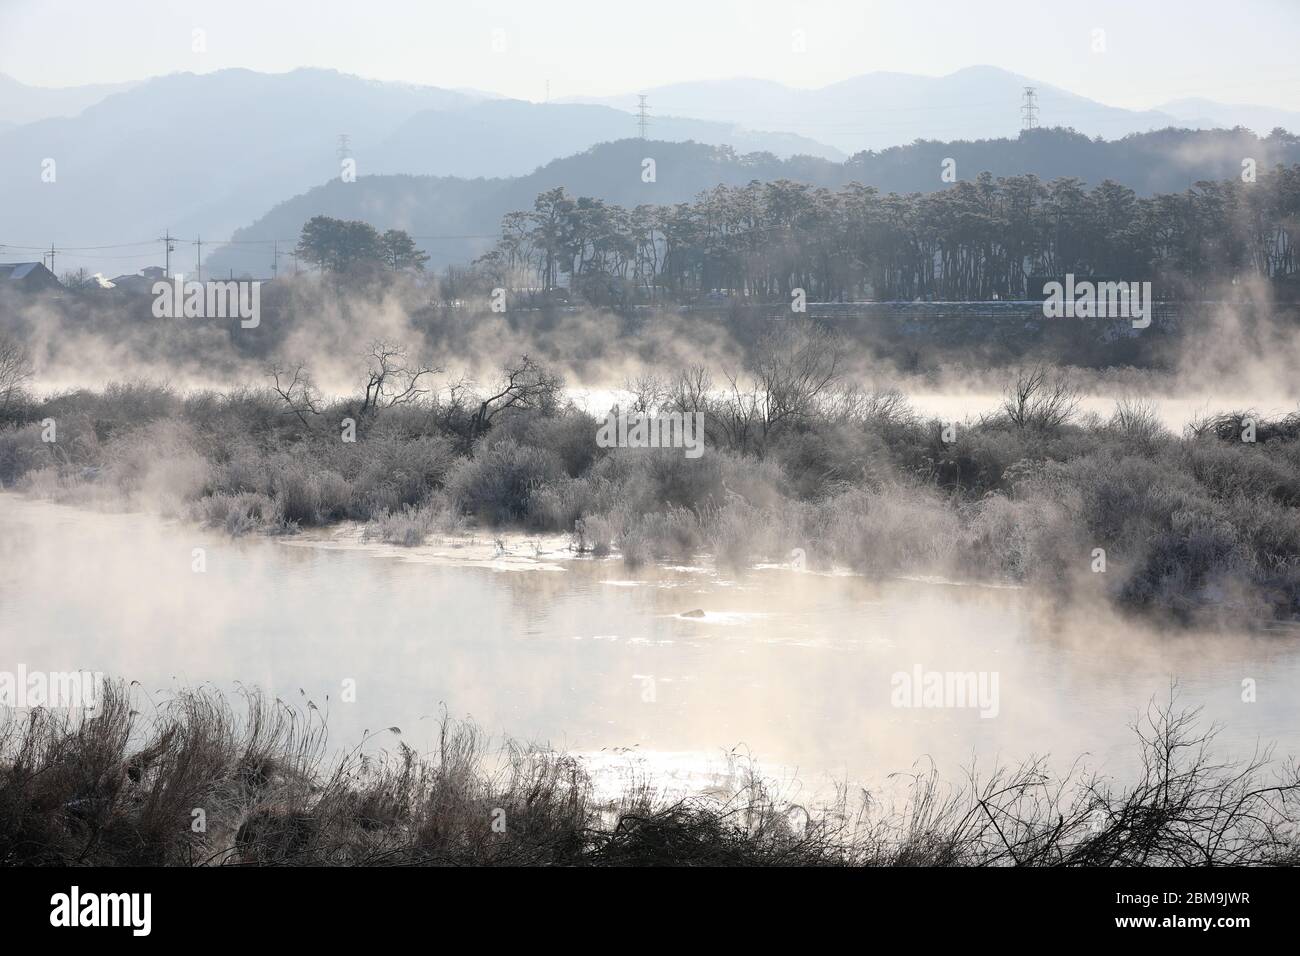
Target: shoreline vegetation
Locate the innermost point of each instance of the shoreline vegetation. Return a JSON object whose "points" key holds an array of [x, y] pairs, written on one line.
{"points": [[1200, 528], [189, 781]]}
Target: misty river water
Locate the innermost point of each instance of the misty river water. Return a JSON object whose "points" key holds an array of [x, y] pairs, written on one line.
{"points": [[589, 656]]}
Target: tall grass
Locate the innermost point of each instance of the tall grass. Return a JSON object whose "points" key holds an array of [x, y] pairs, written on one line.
{"points": [[411, 526], [192, 782]]}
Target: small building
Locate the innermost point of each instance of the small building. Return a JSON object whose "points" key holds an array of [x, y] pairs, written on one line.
{"points": [[139, 283], [131, 283], [28, 277]]}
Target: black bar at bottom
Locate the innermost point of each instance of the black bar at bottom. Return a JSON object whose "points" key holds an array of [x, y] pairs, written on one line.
{"points": [[333, 905]]}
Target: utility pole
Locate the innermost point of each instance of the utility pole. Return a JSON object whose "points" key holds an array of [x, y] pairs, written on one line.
{"points": [[167, 238], [51, 255], [1029, 109], [294, 255], [275, 259], [642, 114], [198, 259]]}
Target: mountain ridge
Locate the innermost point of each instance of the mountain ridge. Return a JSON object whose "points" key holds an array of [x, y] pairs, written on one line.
{"points": [[206, 153], [862, 112], [465, 214]]}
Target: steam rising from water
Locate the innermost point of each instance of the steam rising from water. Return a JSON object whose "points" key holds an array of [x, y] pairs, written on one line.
{"points": [[793, 668], [1231, 357]]}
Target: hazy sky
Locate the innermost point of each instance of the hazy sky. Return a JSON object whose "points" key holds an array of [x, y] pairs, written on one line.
{"points": [[1155, 50]]}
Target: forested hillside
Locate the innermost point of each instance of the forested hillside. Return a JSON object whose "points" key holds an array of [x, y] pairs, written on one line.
{"points": [[455, 220]]}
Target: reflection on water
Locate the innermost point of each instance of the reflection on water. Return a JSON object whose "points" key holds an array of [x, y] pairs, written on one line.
{"points": [[794, 667]]}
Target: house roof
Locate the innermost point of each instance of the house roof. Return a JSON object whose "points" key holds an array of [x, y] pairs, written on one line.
{"points": [[28, 276], [18, 270]]}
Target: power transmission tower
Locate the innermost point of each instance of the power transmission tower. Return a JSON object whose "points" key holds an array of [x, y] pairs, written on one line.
{"points": [[1029, 109], [642, 115], [167, 238]]}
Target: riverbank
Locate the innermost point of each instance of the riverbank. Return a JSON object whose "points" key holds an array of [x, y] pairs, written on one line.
{"points": [[200, 781], [1197, 527]]}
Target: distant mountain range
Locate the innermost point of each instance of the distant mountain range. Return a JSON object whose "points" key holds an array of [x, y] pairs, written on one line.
{"points": [[878, 110], [203, 155], [20, 103], [1205, 114]]}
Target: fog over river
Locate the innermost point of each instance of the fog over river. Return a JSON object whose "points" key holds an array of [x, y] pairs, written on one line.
{"points": [[795, 668]]}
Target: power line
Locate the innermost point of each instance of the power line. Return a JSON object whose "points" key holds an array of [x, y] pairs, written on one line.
{"points": [[120, 245], [17, 249], [24, 252], [27, 256]]}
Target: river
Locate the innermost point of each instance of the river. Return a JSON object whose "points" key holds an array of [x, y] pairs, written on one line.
{"points": [[794, 668]]}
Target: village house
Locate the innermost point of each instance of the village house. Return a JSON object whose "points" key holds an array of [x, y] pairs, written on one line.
{"points": [[29, 277]]}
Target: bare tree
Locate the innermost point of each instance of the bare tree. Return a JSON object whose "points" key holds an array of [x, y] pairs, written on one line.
{"points": [[1137, 419], [794, 368], [523, 385], [738, 414], [297, 390], [691, 390], [391, 378], [15, 371], [648, 392], [1040, 399], [882, 407]]}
